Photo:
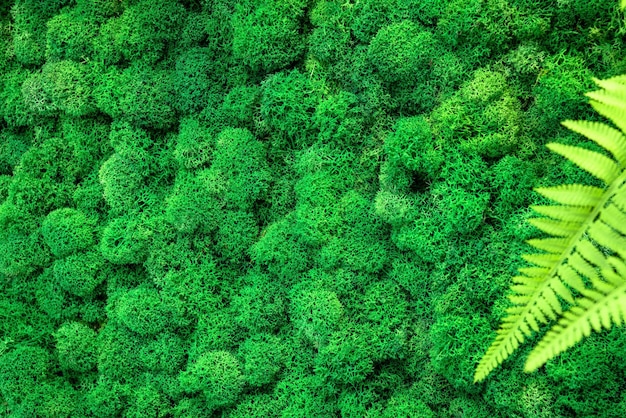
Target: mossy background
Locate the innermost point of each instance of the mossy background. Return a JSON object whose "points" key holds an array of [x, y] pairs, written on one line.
{"points": [[286, 208]]}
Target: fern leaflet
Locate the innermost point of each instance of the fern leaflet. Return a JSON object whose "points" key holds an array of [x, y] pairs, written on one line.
{"points": [[584, 252], [598, 309]]}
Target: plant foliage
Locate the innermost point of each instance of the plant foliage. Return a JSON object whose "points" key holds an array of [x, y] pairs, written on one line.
{"points": [[582, 259]]}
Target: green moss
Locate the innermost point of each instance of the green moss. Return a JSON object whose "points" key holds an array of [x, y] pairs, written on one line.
{"points": [[217, 374], [67, 231], [284, 208], [266, 36]]}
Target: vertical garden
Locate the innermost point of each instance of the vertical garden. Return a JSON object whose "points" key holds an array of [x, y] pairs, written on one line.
{"points": [[287, 208]]}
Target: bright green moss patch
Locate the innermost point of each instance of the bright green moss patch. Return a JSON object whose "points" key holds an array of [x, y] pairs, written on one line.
{"points": [[284, 208]]}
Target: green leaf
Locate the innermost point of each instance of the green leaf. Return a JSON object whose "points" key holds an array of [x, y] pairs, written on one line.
{"points": [[616, 114], [573, 194], [534, 271], [577, 323], [527, 280], [564, 213], [586, 231], [582, 266], [551, 245], [607, 137], [607, 237], [613, 90], [593, 162], [570, 277], [613, 217], [542, 260], [556, 228], [591, 252]]}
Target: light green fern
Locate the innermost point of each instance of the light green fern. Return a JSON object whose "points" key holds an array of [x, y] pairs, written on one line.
{"points": [[582, 262]]}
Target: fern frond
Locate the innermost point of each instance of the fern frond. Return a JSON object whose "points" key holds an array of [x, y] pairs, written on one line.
{"points": [[615, 98], [615, 113], [536, 299], [542, 260], [564, 213], [593, 162], [582, 266], [534, 272], [613, 217], [586, 229], [537, 294], [607, 137], [570, 277], [573, 194], [605, 236], [620, 201], [550, 245], [613, 91], [556, 228], [591, 252], [599, 308], [611, 102]]}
